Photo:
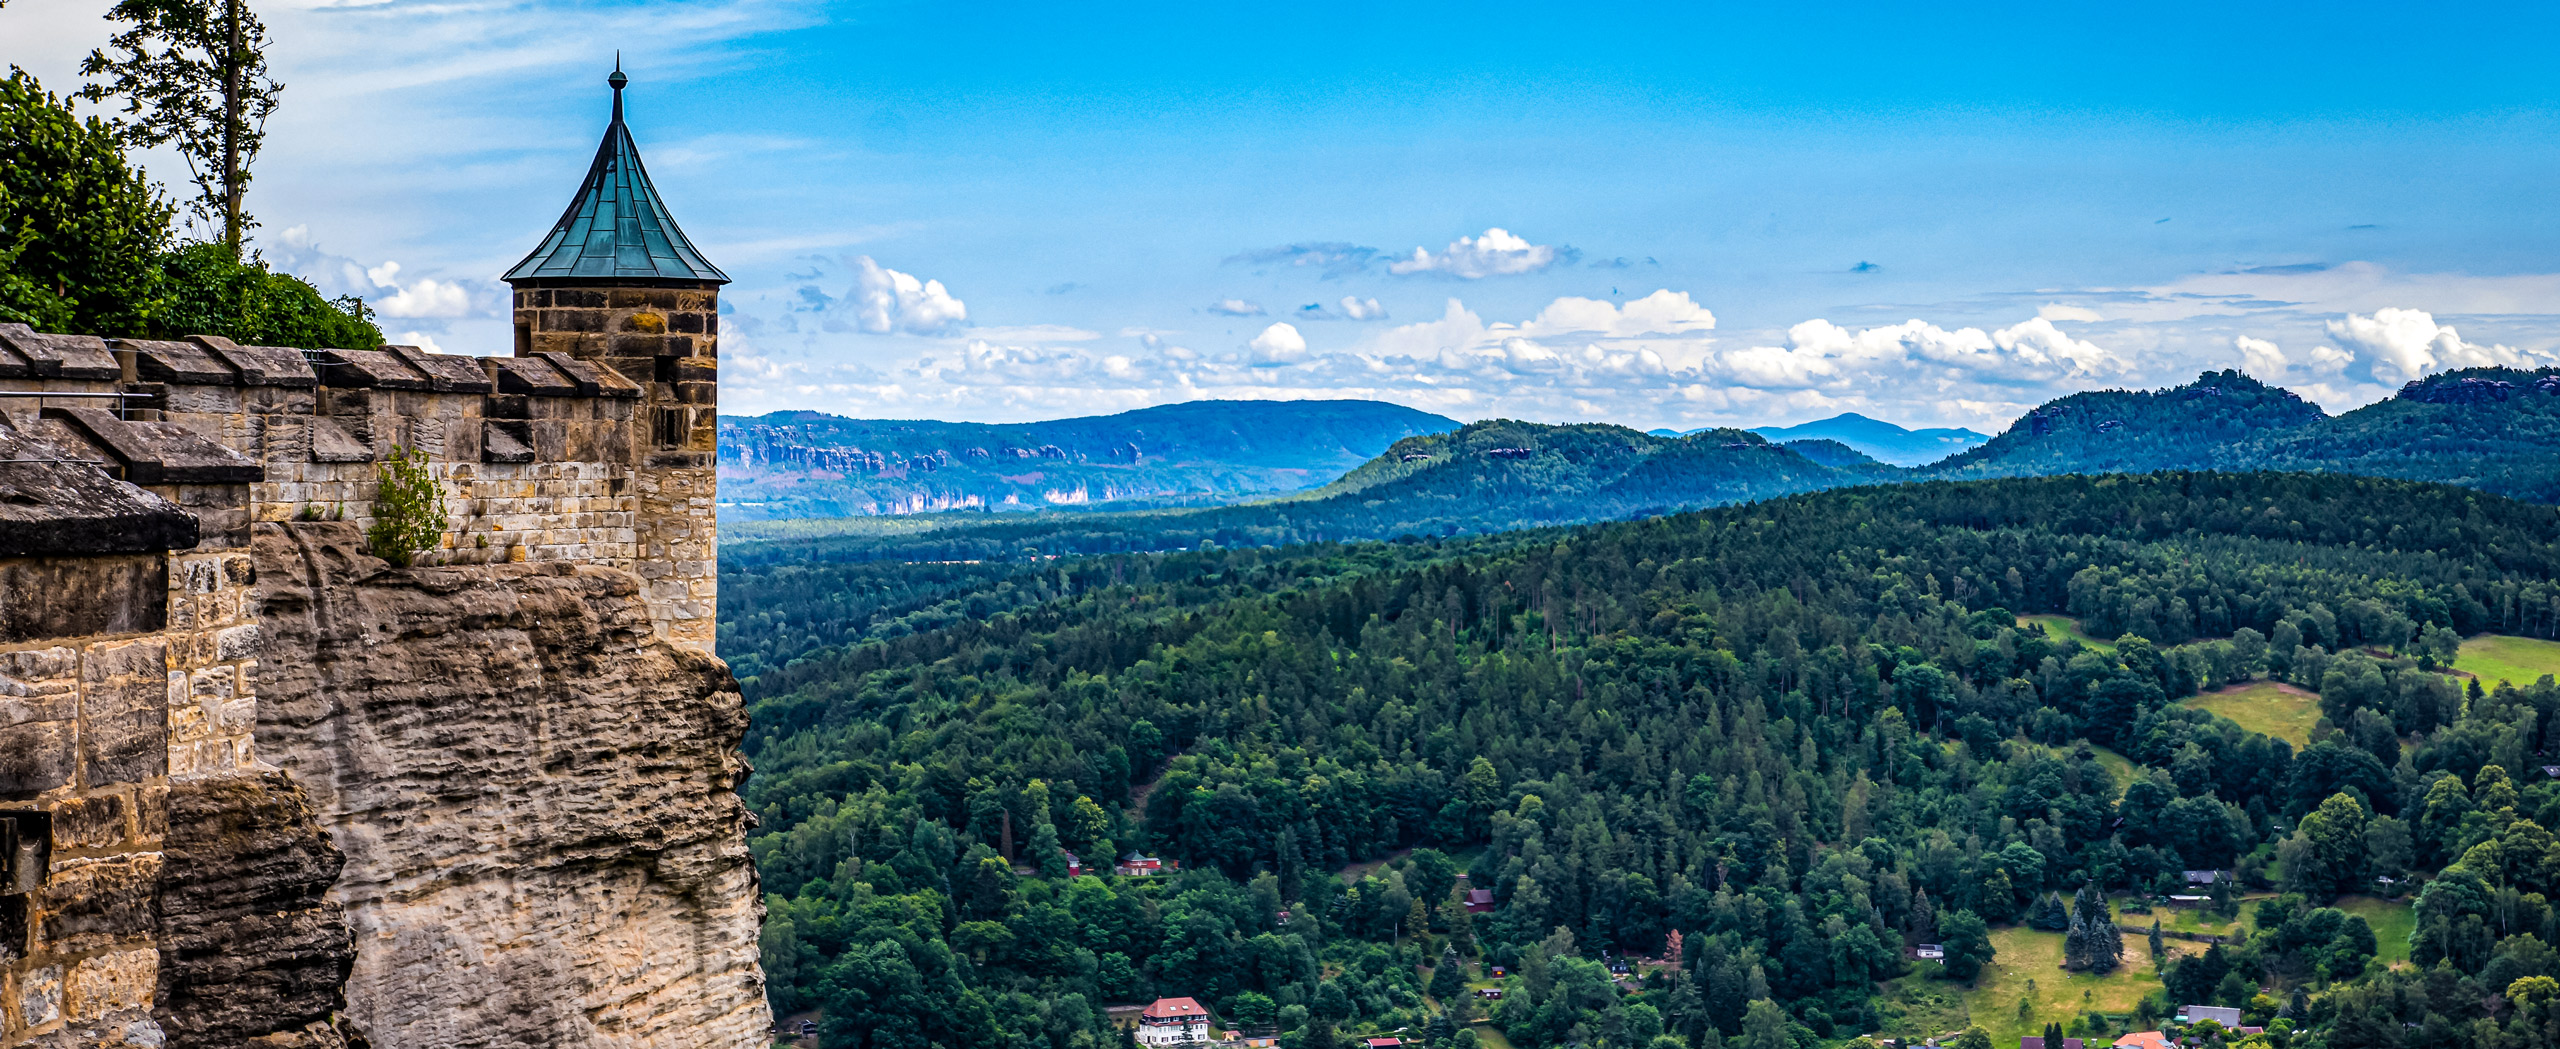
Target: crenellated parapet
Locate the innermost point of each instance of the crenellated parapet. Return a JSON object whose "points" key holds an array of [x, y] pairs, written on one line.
{"points": [[544, 457]]}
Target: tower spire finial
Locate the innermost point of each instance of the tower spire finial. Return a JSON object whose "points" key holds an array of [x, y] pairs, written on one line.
{"points": [[617, 80]]}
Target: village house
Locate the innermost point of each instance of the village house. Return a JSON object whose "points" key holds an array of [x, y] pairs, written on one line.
{"points": [[1138, 865], [1173, 1021], [1479, 901], [2036, 1041], [2228, 1018]]}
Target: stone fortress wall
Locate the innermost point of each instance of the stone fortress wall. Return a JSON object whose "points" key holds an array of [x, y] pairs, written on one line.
{"points": [[166, 880]]}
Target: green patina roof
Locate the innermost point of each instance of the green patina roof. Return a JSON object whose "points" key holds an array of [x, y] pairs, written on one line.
{"points": [[616, 229]]}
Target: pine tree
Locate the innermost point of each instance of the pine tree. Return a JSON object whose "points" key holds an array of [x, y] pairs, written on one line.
{"points": [[2106, 947], [2048, 914], [1448, 978], [2159, 954], [2075, 944]]}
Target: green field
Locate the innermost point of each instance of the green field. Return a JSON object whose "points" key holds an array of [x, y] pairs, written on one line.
{"points": [[2190, 919], [2282, 711], [2065, 626], [2119, 768], [2392, 923], [2493, 658], [2025, 954]]}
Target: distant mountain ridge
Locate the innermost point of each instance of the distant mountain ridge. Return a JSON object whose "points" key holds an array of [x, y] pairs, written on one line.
{"points": [[813, 464], [2491, 429], [1881, 440]]}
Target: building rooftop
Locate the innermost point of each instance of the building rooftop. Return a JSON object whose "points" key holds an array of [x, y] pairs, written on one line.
{"points": [[616, 229], [1168, 1008]]}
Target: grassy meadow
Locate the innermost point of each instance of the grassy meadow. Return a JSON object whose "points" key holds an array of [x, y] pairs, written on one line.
{"points": [[2026, 954], [2278, 710], [2493, 658], [2392, 922], [2065, 626]]}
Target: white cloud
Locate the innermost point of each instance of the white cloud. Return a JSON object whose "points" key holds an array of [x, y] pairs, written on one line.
{"points": [[1236, 308], [2270, 363], [420, 340], [1819, 353], [2055, 311], [1497, 253], [2261, 358], [2398, 345], [426, 297], [1360, 309], [886, 300], [1279, 344]]}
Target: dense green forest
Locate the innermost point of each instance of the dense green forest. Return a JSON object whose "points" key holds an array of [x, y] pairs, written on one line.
{"points": [[2486, 428], [1802, 734]]}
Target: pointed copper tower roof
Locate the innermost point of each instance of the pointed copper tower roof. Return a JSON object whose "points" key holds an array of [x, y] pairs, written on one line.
{"points": [[616, 230]]}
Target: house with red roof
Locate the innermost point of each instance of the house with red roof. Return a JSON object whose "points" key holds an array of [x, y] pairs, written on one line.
{"points": [[1173, 1021], [2143, 1040]]}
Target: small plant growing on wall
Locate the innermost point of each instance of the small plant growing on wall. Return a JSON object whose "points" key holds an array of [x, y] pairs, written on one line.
{"points": [[408, 510]]}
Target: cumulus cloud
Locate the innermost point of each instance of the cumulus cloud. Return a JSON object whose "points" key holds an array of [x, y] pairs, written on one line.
{"points": [[2055, 311], [424, 297], [2270, 363], [1278, 344], [1498, 253], [1360, 309], [1819, 353], [2397, 345], [420, 340], [1236, 308], [885, 300]]}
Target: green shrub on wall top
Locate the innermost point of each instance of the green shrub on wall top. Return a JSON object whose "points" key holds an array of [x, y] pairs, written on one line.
{"points": [[408, 511]]}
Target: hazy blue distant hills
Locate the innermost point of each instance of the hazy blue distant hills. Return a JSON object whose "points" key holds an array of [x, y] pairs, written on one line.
{"points": [[1882, 440], [1484, 477], [812, 464], [2486, 428]]}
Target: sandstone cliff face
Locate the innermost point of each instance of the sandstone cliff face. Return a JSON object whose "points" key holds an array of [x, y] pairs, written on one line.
{"points": [[533, 795], [252, 951]]}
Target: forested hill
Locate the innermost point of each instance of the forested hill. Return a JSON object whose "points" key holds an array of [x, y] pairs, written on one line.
{"points": [[2488, 428], [2494, 429], [2116, 431], [811, 464], [1803, 734], [1483, 477]]}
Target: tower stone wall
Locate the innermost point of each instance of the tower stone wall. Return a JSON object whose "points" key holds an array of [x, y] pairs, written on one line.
{"points": [[664, 341]]}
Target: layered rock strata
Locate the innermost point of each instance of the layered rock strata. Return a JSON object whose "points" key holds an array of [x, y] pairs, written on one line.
{"points": [[534, 794]]}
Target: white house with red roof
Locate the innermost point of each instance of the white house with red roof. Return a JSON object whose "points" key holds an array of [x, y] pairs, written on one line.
{"points": [[1173, 1021]]}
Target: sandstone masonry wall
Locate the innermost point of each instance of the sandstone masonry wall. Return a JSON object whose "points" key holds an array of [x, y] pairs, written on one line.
{"points": [[258, 787]]}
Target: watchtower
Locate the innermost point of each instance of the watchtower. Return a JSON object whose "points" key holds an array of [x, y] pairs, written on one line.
{"points": [[617, 284]]}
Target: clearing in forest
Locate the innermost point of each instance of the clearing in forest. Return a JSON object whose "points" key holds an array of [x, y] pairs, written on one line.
{"points": [[2028, 954], [2392, 922], [2065, 626], [2267, 707], [2495, 657]]}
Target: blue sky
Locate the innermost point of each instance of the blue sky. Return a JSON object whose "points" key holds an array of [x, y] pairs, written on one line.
{"points": [[1707, 213]]}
